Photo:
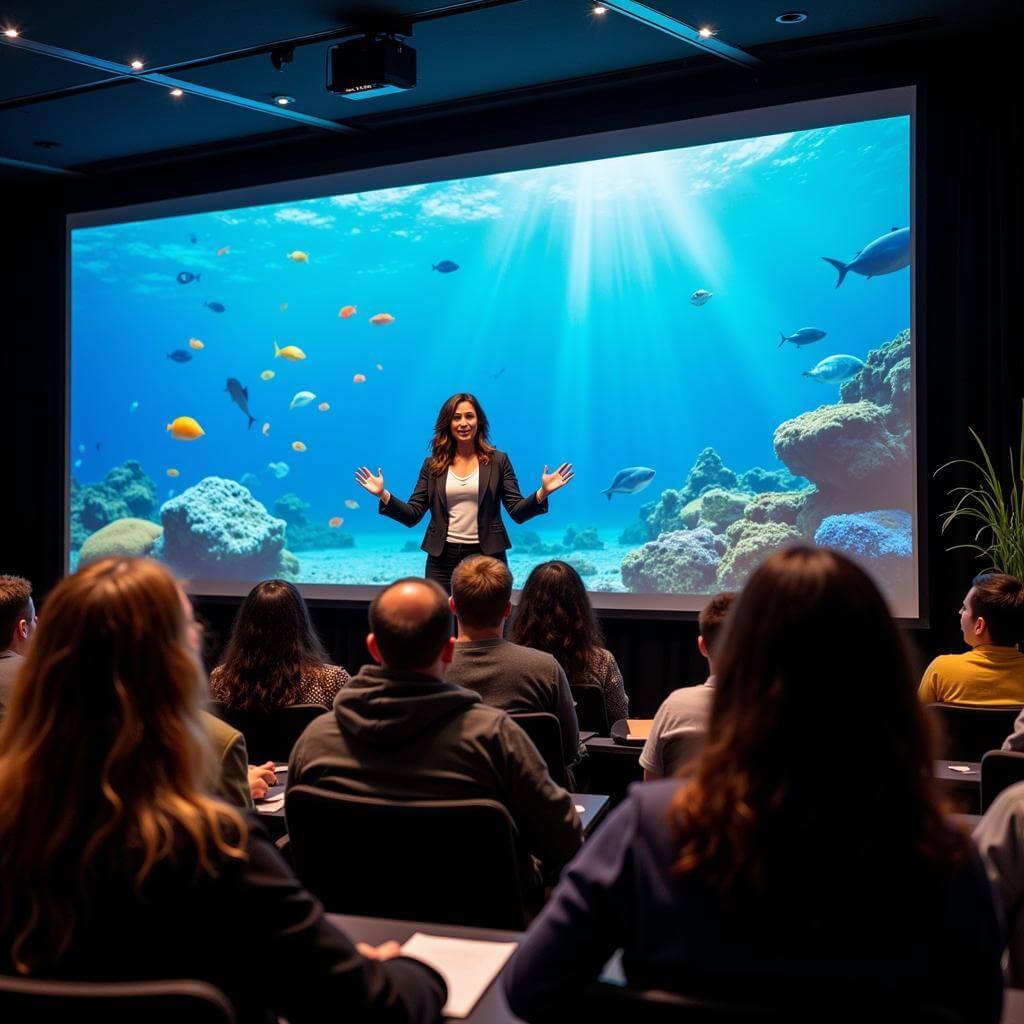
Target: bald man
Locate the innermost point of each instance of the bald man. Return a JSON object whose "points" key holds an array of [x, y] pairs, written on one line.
{"points": [[401, 732]]}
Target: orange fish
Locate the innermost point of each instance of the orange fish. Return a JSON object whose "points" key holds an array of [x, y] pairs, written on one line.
{"points": [[334, 522], [380, 319], [298, 446], [224, 251], [195, 343], [358, 379], [324, 406], [346, 311]]}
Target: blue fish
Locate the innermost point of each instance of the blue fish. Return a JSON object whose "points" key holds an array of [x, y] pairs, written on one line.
{"points": [[179, 355], [445, 267], [187, 277], [884, 255], [240, 396], [217, 307], [802, 337], [836, 369], [630, 481]]}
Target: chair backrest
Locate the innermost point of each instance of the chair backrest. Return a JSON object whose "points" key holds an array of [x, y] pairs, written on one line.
{"points": [[999, 770], [591, 709], [270, 735], [124, 1002], [543, 728], [969, 731], [445, 861]]}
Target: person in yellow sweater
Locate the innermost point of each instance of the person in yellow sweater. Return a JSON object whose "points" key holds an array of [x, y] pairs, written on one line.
{"points": [[992, 671]]}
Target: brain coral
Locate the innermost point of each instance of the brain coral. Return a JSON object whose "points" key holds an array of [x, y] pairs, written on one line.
{"points": [[121, 537], [749, 545], [681, 562]]}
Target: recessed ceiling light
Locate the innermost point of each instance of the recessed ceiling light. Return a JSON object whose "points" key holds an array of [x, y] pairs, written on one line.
{"points": [[137, 65], [177, 92], [791, 17], [11, 33], [706, 32], [598, 9], [284, 101]]}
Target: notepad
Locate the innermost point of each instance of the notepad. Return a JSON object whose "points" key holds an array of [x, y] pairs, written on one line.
{"points": [[468, 966], [271, 804], [639, 728], [963, 769]]}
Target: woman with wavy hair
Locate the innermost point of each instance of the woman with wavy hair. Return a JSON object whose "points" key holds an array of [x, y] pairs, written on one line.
{"points": [[805, 855], [554, 614], [116, 860], [463, 483], [274, 656]]}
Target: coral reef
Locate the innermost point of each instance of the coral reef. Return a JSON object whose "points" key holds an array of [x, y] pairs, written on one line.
{"points": [[581, 563], [886, 381], [777, 506], [125, 493], [292, 509], [121, 537], [582, 540], [681, 562], [249, 480], [750, 544], [707, 472], [758, 480], [308, 536], [410, 545], [719, 509], [529, 541]]}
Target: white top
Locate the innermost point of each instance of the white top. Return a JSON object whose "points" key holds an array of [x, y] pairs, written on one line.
{"points": [[679, 729], [463, 494]]}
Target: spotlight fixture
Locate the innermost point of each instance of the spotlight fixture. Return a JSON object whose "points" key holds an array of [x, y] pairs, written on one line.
{"points": [[705, 32], [284, 101], [281, 55], [11, 33], [598, 9], [177, 92], [137, 65], [791, 17]]}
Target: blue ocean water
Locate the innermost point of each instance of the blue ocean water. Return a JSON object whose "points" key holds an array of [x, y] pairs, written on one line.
{"points": [[569, 316]]}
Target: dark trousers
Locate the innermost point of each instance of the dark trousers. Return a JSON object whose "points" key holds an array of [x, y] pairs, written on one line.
{"points": [[440, 567]]}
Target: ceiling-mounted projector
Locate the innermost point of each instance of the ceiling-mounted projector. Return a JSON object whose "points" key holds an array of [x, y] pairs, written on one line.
{"points": [[369, 66]]}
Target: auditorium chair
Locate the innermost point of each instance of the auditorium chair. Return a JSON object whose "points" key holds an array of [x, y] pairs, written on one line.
{"points": [[270, 735], [440, 861], [968, 731], [1000, 769], [123, 1002], [591, 710], [544, 729]]}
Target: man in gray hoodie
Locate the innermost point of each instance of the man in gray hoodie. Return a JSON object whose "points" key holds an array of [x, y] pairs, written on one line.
{"points": [[400, 731]]}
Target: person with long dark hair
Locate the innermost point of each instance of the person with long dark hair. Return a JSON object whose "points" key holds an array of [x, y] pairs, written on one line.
{"points": [[805, 855], [554, 614], [117, 861], [463, 483], [274, 656]]}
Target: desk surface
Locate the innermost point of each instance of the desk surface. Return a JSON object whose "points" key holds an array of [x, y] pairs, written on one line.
{"points": [[945, 770]]}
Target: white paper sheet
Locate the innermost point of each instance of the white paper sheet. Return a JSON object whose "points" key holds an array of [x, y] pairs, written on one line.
{"points": [[271, 804], [467, 965]]}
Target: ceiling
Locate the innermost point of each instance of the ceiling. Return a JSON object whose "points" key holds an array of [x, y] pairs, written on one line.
{"points": [[57, 116]]}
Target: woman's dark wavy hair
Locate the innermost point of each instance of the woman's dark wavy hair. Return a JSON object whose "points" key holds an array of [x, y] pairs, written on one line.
{"points": [[819, 755], [554, 614], [272, 643], [442, 445]]}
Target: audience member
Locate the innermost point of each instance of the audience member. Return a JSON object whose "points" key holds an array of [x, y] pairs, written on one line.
{"points": [[401, 731], [17, 623], [116, 860], [507, 676], [805, 855], [1015, 741], [1000, 839], [554, 614], [992, 671], [274, 656], [681, 723]]}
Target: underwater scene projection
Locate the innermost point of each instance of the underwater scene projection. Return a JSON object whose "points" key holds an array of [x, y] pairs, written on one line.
{"points": [[717, 337]]}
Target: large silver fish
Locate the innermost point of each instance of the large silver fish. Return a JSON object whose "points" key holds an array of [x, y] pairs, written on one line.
{"points": [[629, 481], [884, 255]]}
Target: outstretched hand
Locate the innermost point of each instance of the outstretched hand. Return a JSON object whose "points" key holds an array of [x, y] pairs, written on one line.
{"points": [[369, 482], [551, 482]]}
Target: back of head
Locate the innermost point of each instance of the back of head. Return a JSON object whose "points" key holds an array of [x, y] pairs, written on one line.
{"points": [[554, 614], [481, 590], [999, 599], [815, 715], [15, 598], [411, 623], [272, 642], [712, 618], [105, 764]]}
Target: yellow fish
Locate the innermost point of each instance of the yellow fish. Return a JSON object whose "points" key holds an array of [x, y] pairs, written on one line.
{"points": [[298, 446], [350, 504], [267, 375], [380, 319], [224, 251], [324, 406], [185, 428], [358, 379], [290, 352], [346, 311], [334, 522], [298, 256], [195, 343], [173, 473], [379, 367]]}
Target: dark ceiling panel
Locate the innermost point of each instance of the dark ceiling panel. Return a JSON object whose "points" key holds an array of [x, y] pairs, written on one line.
{"points": [[22, 73]]}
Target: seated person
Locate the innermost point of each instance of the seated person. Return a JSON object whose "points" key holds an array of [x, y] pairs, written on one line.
{"points": [[17, 623], [118, 862], [507, 676], [681, 723], [992, 671], [554, 614], [1015, 741], [776, 869], [401, 731], [999, 837], [240, 782], [274, 656]]}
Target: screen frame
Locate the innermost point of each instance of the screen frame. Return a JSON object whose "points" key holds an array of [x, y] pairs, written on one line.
{"points": [[821, 111]]}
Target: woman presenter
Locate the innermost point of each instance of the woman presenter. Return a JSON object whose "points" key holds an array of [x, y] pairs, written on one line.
{"points": [[463, 483]]}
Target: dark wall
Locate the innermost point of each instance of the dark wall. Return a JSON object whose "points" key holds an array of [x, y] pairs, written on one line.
{"points": [[969, 335]]}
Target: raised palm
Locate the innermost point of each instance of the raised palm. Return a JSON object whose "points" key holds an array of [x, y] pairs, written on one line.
{"points": [[551, 482], [369, 482]]}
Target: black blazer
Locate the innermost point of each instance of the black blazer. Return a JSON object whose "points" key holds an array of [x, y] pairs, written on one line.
{"points": [[498, 486]]}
